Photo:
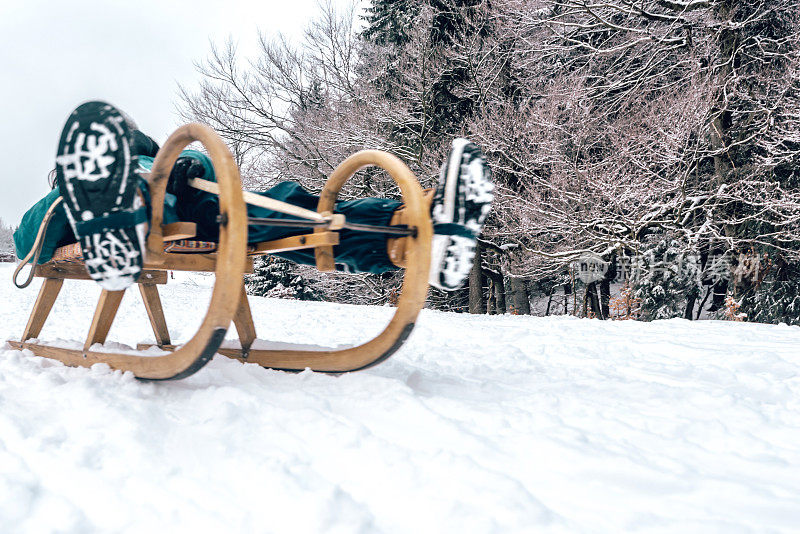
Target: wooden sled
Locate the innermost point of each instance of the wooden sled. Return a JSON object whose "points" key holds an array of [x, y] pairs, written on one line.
{"points": [[229, 262]]}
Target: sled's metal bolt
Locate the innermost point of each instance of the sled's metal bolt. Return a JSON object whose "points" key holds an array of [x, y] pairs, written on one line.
{"points": [[223, 219], [302, 240]]}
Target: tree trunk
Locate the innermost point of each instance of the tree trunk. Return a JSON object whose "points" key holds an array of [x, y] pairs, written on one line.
{"points": [[584, 304], [703, 302], [605, 287], [490, 300], [567, 293], [689, 307], [476, 301], [498, 291], [519, 303], [594, 301], [500, 294], [722, 117], [605, 298], [591, 303]]}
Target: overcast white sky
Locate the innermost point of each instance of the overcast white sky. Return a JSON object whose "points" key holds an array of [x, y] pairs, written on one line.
{"points": [[56, 54]]}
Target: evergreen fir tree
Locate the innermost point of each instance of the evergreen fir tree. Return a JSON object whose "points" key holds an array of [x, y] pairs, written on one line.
{"points": [[6, 242], [275, 277], [775, 297], [664, 279], [389, 21], [426, 37]]}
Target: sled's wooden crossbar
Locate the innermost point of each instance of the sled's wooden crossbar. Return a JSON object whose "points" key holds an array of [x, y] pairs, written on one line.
{"points": [[298, 242], [229, 302], [400, 230], [258, 200]]}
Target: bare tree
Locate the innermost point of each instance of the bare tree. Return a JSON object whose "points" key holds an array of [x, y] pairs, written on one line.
{"points": [[605, 123], [619, 119], [6, 242]]}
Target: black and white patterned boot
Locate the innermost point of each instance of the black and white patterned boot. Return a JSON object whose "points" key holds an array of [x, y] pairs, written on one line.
{"points": [[462, 201], [96, 176]]}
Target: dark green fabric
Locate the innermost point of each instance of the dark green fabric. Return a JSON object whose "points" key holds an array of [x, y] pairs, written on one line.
{"points": [[58, 232], [146, 162], [453, 229], [112, 221]]}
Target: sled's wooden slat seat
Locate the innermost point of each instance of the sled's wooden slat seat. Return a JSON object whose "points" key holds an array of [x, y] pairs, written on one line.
{"points": [[178, 240], [180, 255], [69, 270], [171, 248]]}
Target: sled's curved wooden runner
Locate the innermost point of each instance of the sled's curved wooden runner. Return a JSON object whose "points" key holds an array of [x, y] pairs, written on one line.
{"points": [[229, 262]]}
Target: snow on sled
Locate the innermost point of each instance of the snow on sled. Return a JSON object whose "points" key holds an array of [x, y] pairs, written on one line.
{"points": [[230, 260]]}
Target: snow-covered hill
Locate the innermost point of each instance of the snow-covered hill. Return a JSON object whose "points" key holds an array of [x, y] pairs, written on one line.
{"points": [[479, 424]]}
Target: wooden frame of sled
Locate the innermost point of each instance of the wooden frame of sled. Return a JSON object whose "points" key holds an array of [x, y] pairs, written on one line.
{"points": [[229, 301]]}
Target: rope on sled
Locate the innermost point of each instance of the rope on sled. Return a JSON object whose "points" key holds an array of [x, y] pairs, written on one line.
{"points": [[36, 250]]}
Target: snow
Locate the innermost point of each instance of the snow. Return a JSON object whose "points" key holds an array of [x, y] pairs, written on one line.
{"points": [[479, 424]]}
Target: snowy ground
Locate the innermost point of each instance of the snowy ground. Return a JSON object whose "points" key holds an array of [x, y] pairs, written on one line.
{"points": [[479, 424]]}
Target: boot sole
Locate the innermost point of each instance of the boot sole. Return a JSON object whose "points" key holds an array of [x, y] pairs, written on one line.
{"points": [[95, 174], [467, 200]]}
